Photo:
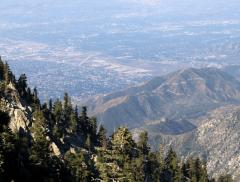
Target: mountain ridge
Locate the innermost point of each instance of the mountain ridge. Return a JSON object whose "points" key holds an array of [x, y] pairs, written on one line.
{"points": [[185, 94]]}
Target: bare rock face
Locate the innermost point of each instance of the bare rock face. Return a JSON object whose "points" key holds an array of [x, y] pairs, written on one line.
{"points": [[219, 135], [19, 114], [55, 149], [18, 120]]}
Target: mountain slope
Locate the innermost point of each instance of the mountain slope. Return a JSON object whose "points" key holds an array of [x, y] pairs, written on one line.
{"points": [[233, 70], [216, 139], [183, 95]]}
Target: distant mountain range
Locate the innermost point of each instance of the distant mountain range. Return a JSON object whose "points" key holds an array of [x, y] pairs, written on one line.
{"points": [[168, 104]]}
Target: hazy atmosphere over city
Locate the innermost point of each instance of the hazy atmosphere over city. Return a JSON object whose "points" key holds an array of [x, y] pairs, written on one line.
{"points": [[114, 44]]}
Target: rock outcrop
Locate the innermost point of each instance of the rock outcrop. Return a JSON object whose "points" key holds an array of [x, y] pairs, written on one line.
{"points": [[19, 113]]}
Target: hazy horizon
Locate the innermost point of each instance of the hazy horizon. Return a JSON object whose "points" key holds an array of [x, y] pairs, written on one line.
{"points": [[131, 40]]}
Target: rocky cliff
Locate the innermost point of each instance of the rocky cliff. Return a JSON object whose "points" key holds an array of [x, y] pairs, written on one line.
{"points": [[20, 113]]}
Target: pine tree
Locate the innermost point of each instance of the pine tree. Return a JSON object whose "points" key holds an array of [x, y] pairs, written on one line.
{"points": [[172, 170], [50, 105], [59, 129], [160, 157], [93, 130], [201, 171], [67, 110], [88, 143], [66, 101], [29, 96], [44, 167], [40, 150], [140, 169], [84, 121], [22, 145], [122, 142], [7, 149], [102, 138], [6, 73], [188, 169], [73, 123], [22, 85], [154, 168], [1, 69], [143, 143], [123, 147], [36, 101], [128, 174], [143, 161], [80, 166]]}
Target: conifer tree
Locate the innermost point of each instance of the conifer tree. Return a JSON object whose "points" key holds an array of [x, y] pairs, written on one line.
{"points": [[22, 147], [50, 105], [36, 101], [154, 167], [1, 69], [172, 170], [143, 161], [7, 74], [66, 101], [93, 129], [59, 129], [188, 170], [201, 171], [123, 143], [40, 150], [44, 167], [102, 138], [128, 174], [160, 157], [88, 143], [143, 143], [84, 120], [73, 123], [29, 96], [7, 149], [80, 166], [22, 85]]}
